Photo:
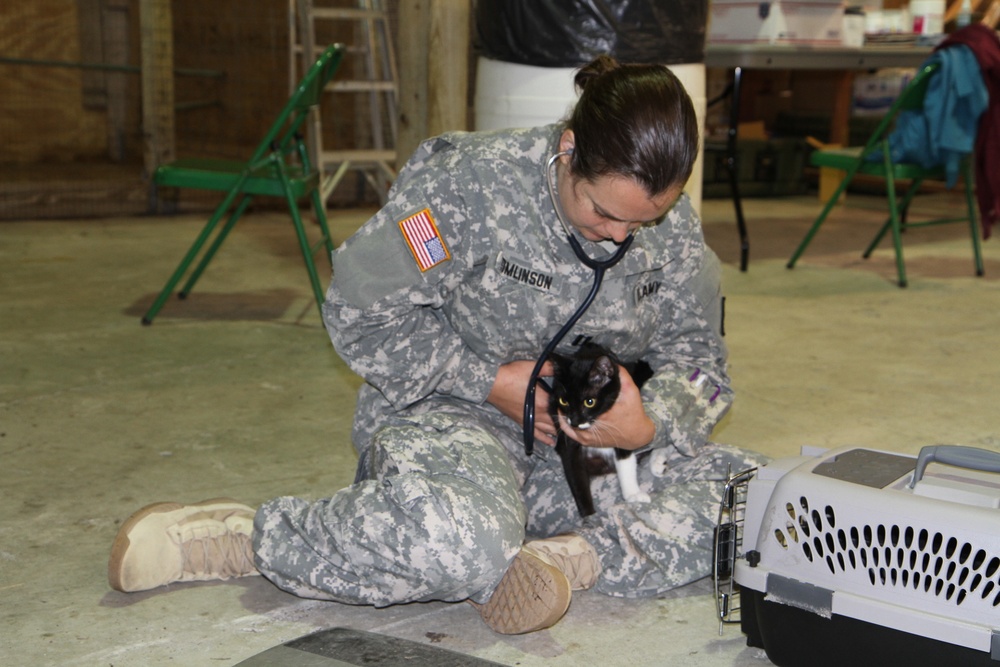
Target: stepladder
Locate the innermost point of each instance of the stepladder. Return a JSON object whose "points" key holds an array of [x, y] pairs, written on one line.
{"points": [[355, 129]]}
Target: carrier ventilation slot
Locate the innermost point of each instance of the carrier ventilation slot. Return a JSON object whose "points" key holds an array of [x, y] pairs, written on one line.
{"points": [[892, 555]]}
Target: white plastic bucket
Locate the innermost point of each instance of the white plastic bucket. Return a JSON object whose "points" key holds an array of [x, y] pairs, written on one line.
{"points": [[514, 95]]}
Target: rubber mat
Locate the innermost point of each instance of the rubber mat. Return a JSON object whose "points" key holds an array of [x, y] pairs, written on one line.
{"points": [[343, 647]]}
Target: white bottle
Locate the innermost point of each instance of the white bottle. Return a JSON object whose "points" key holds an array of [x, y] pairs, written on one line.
{"points": [[964, 17]]}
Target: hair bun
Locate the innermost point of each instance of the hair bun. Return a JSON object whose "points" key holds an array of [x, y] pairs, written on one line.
{"points": [[602, 64]]}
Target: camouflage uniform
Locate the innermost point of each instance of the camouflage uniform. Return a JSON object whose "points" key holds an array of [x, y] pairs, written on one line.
{"points": [[445, 494]]}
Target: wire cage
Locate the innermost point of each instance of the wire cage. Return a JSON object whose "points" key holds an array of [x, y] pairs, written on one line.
{"points": [[82, 82], [729, 546]]}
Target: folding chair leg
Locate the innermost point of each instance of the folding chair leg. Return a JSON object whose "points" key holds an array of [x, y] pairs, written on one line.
{"points": [[210, 253], [904, 206], [973, 227], [307, 256], [300, 232], [821, 218], [317, 203], [192, 252], [878, 238], [897, 239]]}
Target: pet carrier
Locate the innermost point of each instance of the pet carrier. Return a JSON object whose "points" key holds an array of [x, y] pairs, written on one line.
{"points": [[863, 557]]}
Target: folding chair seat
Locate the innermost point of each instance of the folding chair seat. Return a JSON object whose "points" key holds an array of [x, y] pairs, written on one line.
{"points": [[876, 158], [279, 167]]}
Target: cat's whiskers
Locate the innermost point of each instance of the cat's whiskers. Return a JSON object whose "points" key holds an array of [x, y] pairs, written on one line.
{"points": [[601, 429]]}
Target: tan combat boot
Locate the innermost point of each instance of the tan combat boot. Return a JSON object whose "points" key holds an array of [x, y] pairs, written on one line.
{"points": [[572, 554], [168, 542], [533, 595]]}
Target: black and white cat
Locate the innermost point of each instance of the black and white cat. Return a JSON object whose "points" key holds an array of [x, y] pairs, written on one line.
{"points": [[585, 386]]}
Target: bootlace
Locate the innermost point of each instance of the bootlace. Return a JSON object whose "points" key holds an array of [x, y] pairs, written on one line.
{"points": [[225, 555]]}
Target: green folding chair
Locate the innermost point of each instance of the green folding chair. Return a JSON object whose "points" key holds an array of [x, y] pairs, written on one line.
{"points": [[279, 167], [854, 161]]}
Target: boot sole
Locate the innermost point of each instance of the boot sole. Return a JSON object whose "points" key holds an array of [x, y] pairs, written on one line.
{"points": [[121, 544], [533, 595]]}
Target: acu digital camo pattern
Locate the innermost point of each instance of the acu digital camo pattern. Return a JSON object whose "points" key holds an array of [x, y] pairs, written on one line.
{"points": [[445, 494]]}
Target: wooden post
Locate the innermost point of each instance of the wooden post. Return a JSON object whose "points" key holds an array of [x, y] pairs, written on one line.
{"points": [[115, 38], [413, 40], [448, 66], [91, 43], [433, 71], [841, 114], [157, 39]]}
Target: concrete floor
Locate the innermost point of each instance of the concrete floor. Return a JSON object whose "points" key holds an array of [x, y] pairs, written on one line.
{"points": [[238, 392]]}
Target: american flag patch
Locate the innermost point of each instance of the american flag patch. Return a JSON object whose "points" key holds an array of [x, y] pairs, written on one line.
{"points": [[424, 239]]}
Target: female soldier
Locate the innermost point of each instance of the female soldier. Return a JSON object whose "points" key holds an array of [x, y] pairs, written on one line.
{"points": [[442, 302]]}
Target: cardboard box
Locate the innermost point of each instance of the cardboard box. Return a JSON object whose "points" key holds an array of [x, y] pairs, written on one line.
{"points": [[806, 22]]}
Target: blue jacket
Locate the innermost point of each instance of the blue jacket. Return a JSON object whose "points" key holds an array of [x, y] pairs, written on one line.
{"points": [[944, 131]]}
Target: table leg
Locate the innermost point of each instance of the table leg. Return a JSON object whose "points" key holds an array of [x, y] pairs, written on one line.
{"points": [[732, 165], [840, 118]]}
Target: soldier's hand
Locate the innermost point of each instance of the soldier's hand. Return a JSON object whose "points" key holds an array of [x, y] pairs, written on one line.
{"points": [[507, 396], [626, 425]]}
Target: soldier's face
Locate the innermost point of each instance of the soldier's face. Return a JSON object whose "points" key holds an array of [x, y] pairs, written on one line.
{"points": [[612, 207]]}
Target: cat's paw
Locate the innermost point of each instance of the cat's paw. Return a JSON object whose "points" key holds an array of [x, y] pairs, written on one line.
{"points": [[658, 463], [637, 497]]}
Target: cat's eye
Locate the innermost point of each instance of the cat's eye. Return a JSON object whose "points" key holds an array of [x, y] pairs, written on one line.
{"points": [[590, 402], [563, 402]]}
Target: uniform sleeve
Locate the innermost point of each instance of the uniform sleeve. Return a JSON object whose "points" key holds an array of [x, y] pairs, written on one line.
{"points": [[383, 309], [689, 392]]}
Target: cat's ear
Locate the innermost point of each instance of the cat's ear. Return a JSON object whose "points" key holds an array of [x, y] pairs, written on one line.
{"points": [[602, 371]]}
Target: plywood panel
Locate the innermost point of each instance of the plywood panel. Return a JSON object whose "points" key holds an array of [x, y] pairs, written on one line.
{"points": [[42, 114]]}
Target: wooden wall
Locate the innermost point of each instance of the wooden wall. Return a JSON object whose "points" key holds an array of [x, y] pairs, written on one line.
{"points": [[68, 130], [72, 135], [58, 114], [232, 76]]}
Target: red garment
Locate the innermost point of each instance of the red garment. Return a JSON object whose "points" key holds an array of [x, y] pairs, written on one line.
{"points": [[985, 44]]}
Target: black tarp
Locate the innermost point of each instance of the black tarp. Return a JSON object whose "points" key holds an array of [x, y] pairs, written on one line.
{"points": [[570, 33]]}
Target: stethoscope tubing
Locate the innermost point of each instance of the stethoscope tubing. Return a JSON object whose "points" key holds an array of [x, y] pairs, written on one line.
{"points": [[534, 380], [599, 267]]}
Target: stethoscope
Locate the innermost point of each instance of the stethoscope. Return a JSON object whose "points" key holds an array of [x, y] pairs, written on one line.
{"points": [[599, 267]]}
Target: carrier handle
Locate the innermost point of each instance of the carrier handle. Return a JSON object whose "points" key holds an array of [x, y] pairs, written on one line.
{"points": [[956, 455]]}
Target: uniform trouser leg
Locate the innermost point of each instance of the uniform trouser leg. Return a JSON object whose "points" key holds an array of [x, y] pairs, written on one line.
{"points": [[645, 548], [439, 518]]}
